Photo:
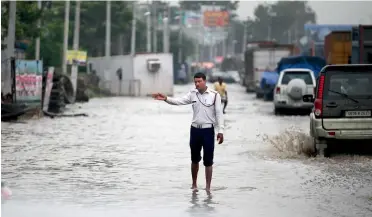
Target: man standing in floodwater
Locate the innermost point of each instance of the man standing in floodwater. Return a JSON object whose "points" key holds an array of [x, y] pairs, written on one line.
{"points": [[220, 87], [206, 104]]}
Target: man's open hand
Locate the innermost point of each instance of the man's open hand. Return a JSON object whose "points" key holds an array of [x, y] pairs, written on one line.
{"points": [[220, 138], [159, 96]]}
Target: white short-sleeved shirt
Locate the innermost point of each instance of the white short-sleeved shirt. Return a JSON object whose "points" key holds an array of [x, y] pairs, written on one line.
{"points": [[206, 107]]}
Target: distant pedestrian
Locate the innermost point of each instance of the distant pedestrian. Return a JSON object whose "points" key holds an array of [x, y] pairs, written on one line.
{"points": [[206, 104], [221, 87]]}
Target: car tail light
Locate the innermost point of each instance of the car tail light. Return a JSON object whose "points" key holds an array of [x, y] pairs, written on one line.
{"points": [[277, 90], [318, 103]]}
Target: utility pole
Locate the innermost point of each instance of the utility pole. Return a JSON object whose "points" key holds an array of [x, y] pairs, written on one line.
{"points": [[244, 42], [37, 44], [148, 26], [108, 29], [133, 38], [65, 37], [74, 68], [180, 37]]}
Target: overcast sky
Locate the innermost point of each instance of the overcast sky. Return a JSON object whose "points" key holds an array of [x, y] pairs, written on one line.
{"points": [[328, 12]]}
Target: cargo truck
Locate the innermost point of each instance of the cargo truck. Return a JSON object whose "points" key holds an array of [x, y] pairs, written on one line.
{"points": [[361, 44], [261, 58], [337, 47]]}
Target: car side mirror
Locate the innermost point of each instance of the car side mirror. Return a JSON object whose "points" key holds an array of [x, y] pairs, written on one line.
{"points": [[308, 98]]}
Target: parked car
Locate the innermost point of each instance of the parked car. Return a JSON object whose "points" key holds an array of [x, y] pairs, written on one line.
{"points": [[227, 77], [342, 105], [292, 85]]}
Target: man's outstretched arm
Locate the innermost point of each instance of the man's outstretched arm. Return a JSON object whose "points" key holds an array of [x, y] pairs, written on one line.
{"points": [[185, 100]]}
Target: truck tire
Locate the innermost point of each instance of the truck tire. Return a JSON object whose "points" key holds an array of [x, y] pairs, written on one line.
{"points": [[296, 89], [321, 147]]}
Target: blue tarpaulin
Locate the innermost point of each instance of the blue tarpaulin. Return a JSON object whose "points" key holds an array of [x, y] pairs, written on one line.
{"points": [[313, 63], [268, 78]]}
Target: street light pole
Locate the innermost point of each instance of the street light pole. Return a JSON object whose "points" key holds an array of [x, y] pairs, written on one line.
{"points": [[108, 29], [65, 37], [134, 25], [148, 25]]}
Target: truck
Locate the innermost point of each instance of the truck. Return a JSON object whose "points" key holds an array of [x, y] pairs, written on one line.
{"points": [[260, 58], [361, 37], [337, 47]]}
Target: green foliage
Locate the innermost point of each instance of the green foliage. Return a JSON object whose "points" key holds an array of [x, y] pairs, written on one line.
{"points": [[287, 16], [27, 15]]}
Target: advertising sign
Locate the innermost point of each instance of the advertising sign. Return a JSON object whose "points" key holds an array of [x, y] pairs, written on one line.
{"points": [[29, 81], [192, 18], [317, 33], [76, 55], [216, 18]]}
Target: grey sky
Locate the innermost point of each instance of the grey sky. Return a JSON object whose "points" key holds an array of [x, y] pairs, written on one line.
{"points": [[328, 12]]}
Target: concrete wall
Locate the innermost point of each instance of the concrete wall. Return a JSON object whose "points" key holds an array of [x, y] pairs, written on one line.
{"points": [[106, 69], [137, 80], [161, 81]]}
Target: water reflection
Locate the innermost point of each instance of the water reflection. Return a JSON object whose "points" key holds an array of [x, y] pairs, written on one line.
{"points": [[203, 206]]}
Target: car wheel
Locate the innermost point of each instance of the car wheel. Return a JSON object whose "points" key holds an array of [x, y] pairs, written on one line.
{"points": [[258, 95], [277, 111], [321, 147]]}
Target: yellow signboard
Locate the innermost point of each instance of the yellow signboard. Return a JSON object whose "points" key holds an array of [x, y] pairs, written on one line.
{"points": [[76, 55]]}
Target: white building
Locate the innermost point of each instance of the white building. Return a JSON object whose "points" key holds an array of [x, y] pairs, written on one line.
{"points": [[142, 74]]}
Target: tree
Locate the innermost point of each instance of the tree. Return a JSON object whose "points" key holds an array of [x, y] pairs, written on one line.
{"points": [[27, 15], [285, 18]]}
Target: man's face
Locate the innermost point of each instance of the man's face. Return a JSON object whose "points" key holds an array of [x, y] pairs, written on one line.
{"points": [[199, 83]]}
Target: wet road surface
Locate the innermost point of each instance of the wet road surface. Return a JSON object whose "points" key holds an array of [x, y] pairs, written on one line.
{"points": [[131, 157]]}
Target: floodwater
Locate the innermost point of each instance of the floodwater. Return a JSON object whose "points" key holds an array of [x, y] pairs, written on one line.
{"points": [[130, 157]]}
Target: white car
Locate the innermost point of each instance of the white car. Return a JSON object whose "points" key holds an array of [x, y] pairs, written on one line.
{"points": [[292, 85]]}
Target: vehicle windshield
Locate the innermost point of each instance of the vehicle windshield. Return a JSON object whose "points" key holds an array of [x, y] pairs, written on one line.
{"points": [[304, 75], [354, 84]]}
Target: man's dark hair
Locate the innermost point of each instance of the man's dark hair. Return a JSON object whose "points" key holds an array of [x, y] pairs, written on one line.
{"points": [[200, 75]]}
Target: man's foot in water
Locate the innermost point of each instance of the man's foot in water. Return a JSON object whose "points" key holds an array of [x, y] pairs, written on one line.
{"points": [[194, 188]]}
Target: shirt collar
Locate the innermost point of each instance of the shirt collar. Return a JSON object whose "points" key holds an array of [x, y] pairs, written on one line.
{"points": [[207, 91]]}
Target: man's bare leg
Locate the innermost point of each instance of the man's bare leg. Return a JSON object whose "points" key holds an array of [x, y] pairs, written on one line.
{"points": [[208, 177], [194, 174]]}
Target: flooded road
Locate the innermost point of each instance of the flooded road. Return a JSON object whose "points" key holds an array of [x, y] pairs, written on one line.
{"points": [[131, 157]]}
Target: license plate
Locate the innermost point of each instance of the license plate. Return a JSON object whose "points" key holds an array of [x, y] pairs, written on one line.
{"points": [[357, 113]]}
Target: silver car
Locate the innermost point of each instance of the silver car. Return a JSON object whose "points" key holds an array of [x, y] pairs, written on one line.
{"points": [[342, 105], [292, 84]]}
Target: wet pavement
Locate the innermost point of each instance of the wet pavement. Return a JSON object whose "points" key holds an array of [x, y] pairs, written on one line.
{"points": [[131, 157]]}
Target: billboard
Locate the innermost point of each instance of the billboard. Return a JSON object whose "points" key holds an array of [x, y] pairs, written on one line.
{"points": [[317, 33], [29, 81], [216, 18], [192, 18], [313, 40], [79, 56]]}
